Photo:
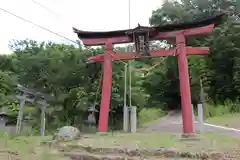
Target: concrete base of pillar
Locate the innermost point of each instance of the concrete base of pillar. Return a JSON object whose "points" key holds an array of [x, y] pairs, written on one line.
{"points": [[102, 133], [190, 137]]}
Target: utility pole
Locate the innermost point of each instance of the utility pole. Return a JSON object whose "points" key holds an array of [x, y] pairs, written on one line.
{"points": [[125, 107]]}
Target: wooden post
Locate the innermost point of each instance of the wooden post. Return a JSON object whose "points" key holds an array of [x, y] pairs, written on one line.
{"points": [[20, 114], [43, 120], [43, 105]]}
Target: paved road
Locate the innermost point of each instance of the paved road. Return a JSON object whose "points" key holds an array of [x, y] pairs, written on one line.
{"points": [[173, 123]]}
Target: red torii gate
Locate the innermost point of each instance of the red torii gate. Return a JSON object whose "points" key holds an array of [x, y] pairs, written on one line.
{"points": [[178, 32]]}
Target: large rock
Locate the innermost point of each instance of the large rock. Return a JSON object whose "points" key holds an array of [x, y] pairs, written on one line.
{"points": [[68, 133]]}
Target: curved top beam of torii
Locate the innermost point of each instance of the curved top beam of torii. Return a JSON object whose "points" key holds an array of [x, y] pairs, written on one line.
{"points": [[204, 27], [91, 38]]}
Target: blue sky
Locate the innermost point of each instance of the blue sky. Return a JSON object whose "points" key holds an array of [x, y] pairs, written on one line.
{"points": [[83, 14]]}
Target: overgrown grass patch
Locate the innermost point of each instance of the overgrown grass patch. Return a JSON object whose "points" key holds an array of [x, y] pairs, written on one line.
{"points": [[149, 116], [23, 147], [228, 107], [226, 114], [229, 120]]}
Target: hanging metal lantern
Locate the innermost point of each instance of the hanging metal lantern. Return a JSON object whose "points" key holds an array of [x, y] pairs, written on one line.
{"points": [[140, 36]]}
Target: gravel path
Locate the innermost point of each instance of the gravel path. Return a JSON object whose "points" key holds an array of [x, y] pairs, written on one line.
{"points": [[173, 123]]}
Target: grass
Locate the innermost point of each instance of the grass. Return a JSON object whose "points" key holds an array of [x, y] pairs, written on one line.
{"points": [[150, 116], [24, 148], [153, 122], [30, 148], [229, 120], [158, 140]]}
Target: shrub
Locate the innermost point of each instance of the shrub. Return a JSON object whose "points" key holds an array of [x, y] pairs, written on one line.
{"points": [[149, 114], [233, 107], [211, 110]]}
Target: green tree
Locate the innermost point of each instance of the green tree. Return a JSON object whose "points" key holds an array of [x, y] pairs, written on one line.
{"points": [[219, 71], [61, 72]]}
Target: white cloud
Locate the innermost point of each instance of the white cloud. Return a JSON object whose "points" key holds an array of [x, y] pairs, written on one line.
{"points": [[83, 14]]}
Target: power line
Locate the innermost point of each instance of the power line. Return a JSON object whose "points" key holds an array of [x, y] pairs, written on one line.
{"points": [[45, 7], [41, 27], [51, 11]]}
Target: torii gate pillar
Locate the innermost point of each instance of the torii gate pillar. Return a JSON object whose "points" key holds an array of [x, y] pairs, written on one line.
{"points": [[106, 89], [187, 110]]}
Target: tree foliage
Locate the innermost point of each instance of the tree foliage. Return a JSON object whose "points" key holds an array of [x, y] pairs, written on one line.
{"points": [[219, 71]]}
